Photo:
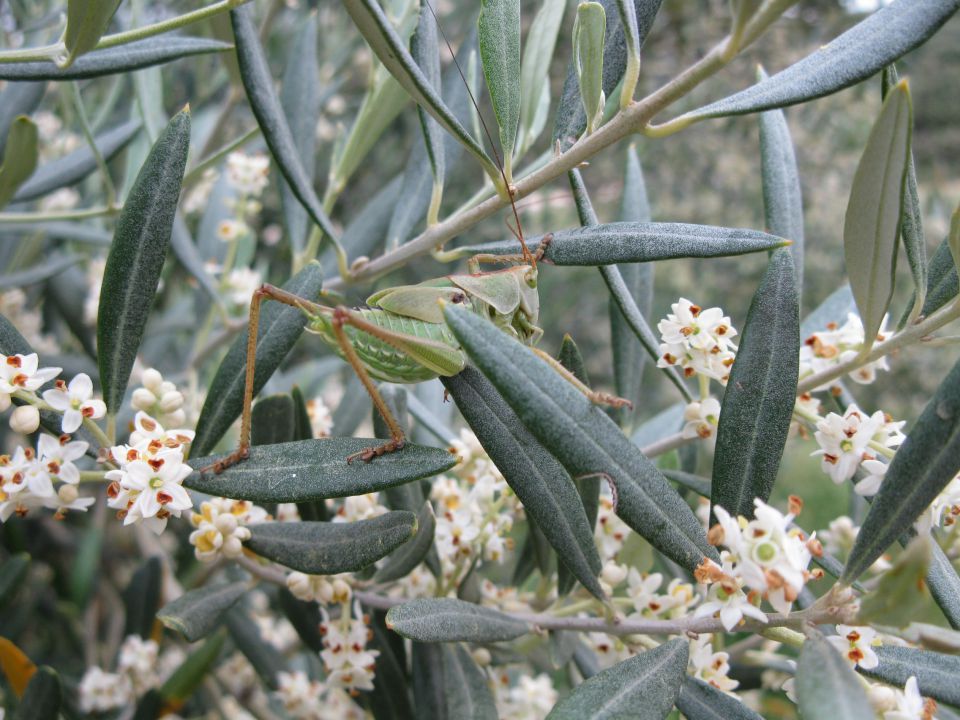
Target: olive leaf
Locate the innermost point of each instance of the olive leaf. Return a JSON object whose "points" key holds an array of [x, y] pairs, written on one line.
{"points": [[833, 309], [263, 656], [306, 470], [871, 228], [41, 700], [582, 437], [141, 598], [44, 270], [192, 671], [197, 613], [936, 673], [449, 620], [406, 557], [499, 34], [116, 60], [327, 548], [761, 392], [861, 51], [136, 258], [535, 67], [87, 21], [426, 52], [944, 584], [19, 157], [645, 687], [631, 36], [927, 460], [12, 572], [701, 701], [20, 98], [449, 685], [827, 687], [898, 596], [589, 28]]}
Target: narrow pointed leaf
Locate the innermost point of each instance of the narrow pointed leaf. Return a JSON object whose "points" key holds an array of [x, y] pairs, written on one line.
{"points": [[413, 552], [75, 166], [188, 255], [280, 327], [871, 229], [449, 620], [305, 618], [936, 673], [18, 99], [535, 66], [264, 657], [42, 698], [944, 584], [188, 677], [499, 34], [589, 29], [387, 46], [115, 60], [762, 389], [44, 270], [141, 598], [267, 109], [197, 613], [87, 21], [645, 687], [928, 459], [19, 157], [942, 284], [327, 548], [273, 420], [630, 242], [300, 100], [782, 201], [539, 480], [136, 258], [701, 701], [861, 51], [582, 437], [308, 470], [827, 687], [631, 37], [449, 685]]}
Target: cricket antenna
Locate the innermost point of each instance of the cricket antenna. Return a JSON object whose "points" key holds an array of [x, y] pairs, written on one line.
{"points": [[527, 255]]}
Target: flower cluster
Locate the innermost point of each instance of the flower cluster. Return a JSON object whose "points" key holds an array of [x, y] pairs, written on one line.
{"points": [[22, 373], [221, 527], [306, 699], [856, 645], [700, 342], [140, 668], [711, 667], [701, 419], [27, 478], [248, 174], [159, 399], [521, 696], [850, 440], [346, 659], [838, 344], [765, 556], [148, 484], [75, 401]]}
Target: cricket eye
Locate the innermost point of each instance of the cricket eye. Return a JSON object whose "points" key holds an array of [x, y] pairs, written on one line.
{"points": [[458, 298]]}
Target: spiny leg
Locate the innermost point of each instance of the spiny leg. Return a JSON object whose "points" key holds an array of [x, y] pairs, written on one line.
{"points": [[270, 292], [595, 396], [474, 262], [342, 316]]}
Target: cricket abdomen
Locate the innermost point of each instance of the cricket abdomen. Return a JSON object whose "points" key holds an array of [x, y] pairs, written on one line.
{"points": [[383, 360]]}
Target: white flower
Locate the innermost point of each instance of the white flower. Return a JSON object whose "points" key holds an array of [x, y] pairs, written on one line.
{"points": [[58, 456], [854, 643], [709, 666], [138, 660], [149, 436], [611, 531], [911, 704], [150, 490], [240, 284], [346, 660], [870, 485], [359, 507], [698, 341], [75, 401], [701, 419], [21, 372], [299, 695], [732, 605], [844, 441], [948, 501], [248, 173], [609, 649], [321, 419], [531, 698], [835, 345], [231, 230], [101, 691]]}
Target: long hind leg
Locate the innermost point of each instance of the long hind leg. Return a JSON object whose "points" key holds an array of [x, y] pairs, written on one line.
{"points": [[595, 396]]}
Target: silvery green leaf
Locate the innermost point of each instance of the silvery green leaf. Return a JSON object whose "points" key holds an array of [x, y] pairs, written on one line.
{"points": [[449, 620], [280, 326], [267, 109], [426, 53], [141, 598], [698, 484], [538, 479], [832, 310], [20, 98], [645, 687], [701, 701], [327, 548], [19, 157], [273, 420], [827, 687], [388, 47], [449, 685], [197, 613], [589, 29], [953, 239], [942, 284], [191, 673], [927, 460], [391, 697], [261, 654], [304, 616], [499, 34], [136, 258], [782, 201], [75, 166], [87, 21], [300, 100], [861, 51], [115, 60], [582, 437], [944, 584], [41, 700], [761, 392], [535, 67], [48, 268], [307, 470], [631, 36], [187, 254], [898, 597], [936, 673], [871, 229], [406, 557]]}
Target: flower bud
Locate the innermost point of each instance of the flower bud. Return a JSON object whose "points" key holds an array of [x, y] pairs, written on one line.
{"points": [[882, 698], [176, 419], [143, 399], [232, 547], [4, 402], [151, 379], [613, 574], [67, 493], [299, 584], [341, 591], [165, 387], [481, 656], [25, 419], [171, 401], [323, 591], [226, 523]]}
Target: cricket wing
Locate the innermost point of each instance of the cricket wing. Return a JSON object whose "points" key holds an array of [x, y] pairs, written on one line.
{"points": [[498, 289], [414, 301], [443, 358]]}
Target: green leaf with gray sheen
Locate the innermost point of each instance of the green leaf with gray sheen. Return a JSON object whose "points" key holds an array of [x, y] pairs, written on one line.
{"points": [[19, 157], [87, 21], [535, 66], [280, 327], [928, 459], [41, 700], [860, 52], [263, 656], [449, 685], [327, 548], [307, 470], [645, 687], [582, 437], [449, 620], [871, 228], [827, 687], [701, 701], [936, 673], [136, 258], [944, 584], [762, 389], [406, 557], [499, 34], [115, 60], [538, 479], [197, 613]]}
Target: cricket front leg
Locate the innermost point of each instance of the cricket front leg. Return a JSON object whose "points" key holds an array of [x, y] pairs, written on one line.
{"points": [[264, 292], [595, 396], [342, 316]]}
